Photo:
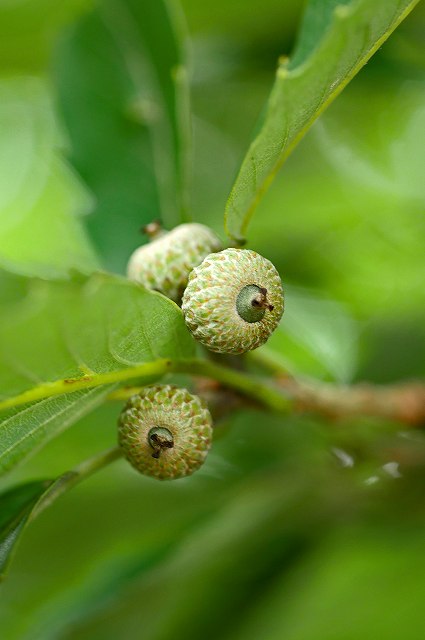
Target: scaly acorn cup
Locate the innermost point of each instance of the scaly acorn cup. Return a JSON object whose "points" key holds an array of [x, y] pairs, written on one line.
{"points": [[233, 301], [165, 263], [165, 432]]}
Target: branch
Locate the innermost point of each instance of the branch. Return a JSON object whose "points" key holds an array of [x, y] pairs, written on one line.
{"points": [[403, 402], [249, 386], [71, 478]]}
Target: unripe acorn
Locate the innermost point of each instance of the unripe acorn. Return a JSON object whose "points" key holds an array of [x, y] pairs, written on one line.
{"points": [[165, 432], [233, 301], [164, 264]]}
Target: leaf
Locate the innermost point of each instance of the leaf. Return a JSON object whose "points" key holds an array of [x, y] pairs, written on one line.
{"points": [[125, 103], [24, 430], [68, 332], [217, 572], [16, 505], [333, 48], [22, 503], [317, 337], [347, 589], [317, 17], [39, 195]]}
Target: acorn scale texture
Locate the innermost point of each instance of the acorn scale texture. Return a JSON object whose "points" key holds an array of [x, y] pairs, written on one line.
{"points": [[233, 301], [165, 432], [164, 264]]}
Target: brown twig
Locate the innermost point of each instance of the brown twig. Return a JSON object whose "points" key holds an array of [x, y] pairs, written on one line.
{"points": [[402, 402]]}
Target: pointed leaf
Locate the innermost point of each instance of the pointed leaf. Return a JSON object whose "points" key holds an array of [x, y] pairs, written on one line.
{"points": [[16, 505], [336, 42], [125, 103], [20, 504], [67, 334], [25, 429]]}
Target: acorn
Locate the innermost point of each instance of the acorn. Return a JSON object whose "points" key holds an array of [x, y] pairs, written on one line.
{"points": [[165, 263], [233, 301], [165, 432]]}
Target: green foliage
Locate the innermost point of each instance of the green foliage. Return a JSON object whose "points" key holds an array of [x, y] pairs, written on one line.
{"points": [[135, 160], [39, 231], [296, 526], [318, 338], [23, 430], [22, 503], [347, 217], [16, 505], [67, 330], [318, 17], [41, 200], [344, 39], [353, 591], [73, 328]]}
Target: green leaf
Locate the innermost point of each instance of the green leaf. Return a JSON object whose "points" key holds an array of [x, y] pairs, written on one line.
{"points": [[39, 195], [24, 430], [217, 572], [317, 18], [122, 85], [16, 505], [66, 334], [317, 337], [361, 583], [22, 503], [336, 42]]}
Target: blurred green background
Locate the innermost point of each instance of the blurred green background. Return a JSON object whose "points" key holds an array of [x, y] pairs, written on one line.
{"points": [[299, 528]]}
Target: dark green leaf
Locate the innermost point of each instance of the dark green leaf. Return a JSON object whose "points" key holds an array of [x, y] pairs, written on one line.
{"points": [[361, 584], [16, 505], [123, 92], [19, 504]]}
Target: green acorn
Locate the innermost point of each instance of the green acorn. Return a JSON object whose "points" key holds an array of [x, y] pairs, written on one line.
{"points": [[233, 301], [165, 263], [165, 432]]}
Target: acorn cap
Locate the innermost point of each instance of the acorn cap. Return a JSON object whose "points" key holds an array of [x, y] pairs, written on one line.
{"points": [[165, 432], [233, 301], [164, 264]]}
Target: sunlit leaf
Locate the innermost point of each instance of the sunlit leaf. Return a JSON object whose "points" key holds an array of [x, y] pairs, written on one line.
{"points": [[336, 42], [25, 429], [65, 331], [40, 197]]}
